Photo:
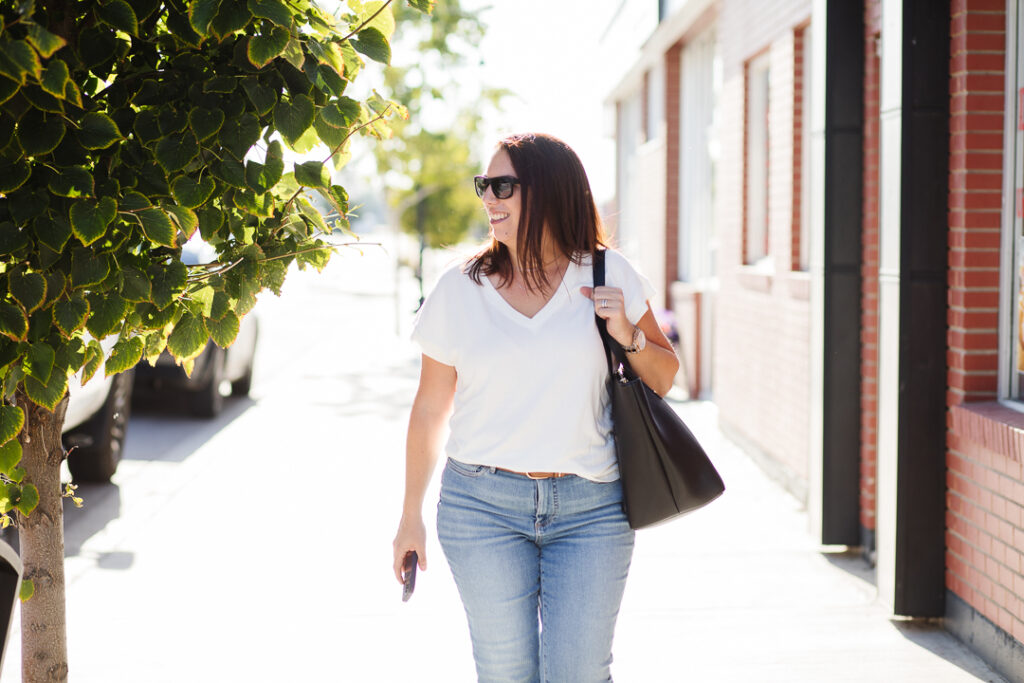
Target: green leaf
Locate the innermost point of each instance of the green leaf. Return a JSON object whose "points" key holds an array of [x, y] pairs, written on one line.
{"points": [[382, 21], [186, 219], [147, 126], [52, 231], [231, 17], [201, 13], [89, 219], [88, 268], [7, 89], [13, 174], [157, 226], [262, 97], [93, 358], [205, 122], [229, 171], [98, 131], [18, 60], [262, 49], [120, 15], [106, 313], [341, 113], [179, 26], [310, 212], [27, 590], [239, 134], [11, 422], [188, 338], [372, 43], [39, 134], [56, 282], [318, 258], [13, 321], [224, 331], [168, 283], [72, 94], [156, 342], [69, 314], [190, 193], [329, 135], [29, 497], [274, 10], [293, 54], [175, 152], [41, 99], [28, 289], [48, 394], [200, 301], [10, 456], [294, 117], [135, 201], [135, 286], [72, 181], [312, 174], [55, 78], [42, 40], [425, 6], [39, 361], [127, 352], [210, 220]]}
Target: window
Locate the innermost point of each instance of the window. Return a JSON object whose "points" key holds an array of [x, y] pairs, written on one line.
{"points": [[755, 229], [1013, 205]]}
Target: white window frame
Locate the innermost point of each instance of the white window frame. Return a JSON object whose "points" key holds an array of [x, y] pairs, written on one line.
{"points": [[1011, 317]]}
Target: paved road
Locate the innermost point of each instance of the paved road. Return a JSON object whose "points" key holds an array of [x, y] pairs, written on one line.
{"points": [[256, 547]]}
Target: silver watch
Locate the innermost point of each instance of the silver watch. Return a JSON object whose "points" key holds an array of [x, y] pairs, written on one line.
{"points": [[639, 341]]}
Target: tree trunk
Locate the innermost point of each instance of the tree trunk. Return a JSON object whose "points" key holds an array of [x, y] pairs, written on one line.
{"points": [[44, 649]]}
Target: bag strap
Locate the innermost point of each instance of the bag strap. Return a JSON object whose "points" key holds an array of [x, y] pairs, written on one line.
{"points": [[614, 353]]}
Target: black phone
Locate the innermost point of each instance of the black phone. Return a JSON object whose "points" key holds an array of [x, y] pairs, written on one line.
{"points": [[409, 574]]}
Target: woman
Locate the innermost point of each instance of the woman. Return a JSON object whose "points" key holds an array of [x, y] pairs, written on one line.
{"points": [[530, 517]]}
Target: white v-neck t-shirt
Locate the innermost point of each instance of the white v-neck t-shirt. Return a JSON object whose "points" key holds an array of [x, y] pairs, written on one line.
{"points": [[531, 393]]}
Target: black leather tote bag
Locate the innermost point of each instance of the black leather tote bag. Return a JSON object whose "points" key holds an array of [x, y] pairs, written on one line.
{"points": [[664, 470]]}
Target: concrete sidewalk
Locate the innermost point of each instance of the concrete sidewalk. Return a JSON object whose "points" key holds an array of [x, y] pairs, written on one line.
{"points": [[257, 547]]}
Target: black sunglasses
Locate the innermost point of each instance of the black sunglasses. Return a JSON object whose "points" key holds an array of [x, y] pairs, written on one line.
{"points": [[502, 185]]}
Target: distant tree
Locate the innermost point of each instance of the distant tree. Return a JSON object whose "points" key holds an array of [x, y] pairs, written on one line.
{"points": [[431, 163], [126, 126]]}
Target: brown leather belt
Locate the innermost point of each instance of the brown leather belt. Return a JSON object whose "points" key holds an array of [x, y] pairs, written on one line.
{"points": [[535, 475]]}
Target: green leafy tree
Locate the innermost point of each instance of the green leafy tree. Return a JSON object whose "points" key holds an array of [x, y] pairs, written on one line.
{"points": [[127, 126]]}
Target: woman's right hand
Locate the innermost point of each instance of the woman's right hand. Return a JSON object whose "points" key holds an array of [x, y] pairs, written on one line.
{"points": [[412, 535]]}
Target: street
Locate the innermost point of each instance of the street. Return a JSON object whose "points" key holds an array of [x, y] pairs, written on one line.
{"points": [[257, 546]]}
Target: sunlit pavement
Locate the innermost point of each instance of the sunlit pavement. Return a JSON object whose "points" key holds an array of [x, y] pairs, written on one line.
{"points": [[257, 546]]}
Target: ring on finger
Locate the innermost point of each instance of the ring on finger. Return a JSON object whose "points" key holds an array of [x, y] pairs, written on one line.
{"points": [[604, 303]]}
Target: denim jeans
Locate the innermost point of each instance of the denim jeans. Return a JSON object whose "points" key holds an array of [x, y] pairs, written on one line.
{"points": [[541, 566]]}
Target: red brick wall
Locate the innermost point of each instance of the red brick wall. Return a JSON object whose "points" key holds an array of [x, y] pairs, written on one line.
{"points": [[869, 271], [762, 333], [672, 103], [984, 517]]}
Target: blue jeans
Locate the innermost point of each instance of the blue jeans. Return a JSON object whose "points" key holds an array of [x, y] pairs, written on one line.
{"points": [[541, 566]]}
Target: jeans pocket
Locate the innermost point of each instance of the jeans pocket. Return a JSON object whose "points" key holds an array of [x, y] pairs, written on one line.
{"points": [[466, 470]]}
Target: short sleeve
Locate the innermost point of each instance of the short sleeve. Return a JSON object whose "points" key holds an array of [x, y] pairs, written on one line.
{"points": [[435, 328], [636, 288]]}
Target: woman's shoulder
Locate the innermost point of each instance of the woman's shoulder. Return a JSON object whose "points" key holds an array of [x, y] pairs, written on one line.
{"points": [[616, 262]]}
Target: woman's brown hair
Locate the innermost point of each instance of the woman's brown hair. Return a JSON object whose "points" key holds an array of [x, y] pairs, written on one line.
{"points": [[555, 192]]}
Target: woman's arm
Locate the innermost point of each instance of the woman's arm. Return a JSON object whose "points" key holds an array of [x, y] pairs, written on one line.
{"points": [[430, 411], [657, 364]]}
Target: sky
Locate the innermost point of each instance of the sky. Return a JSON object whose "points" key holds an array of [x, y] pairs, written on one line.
{"points": [[549, 53]]}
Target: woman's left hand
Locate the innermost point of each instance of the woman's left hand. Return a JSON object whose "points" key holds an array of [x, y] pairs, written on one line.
{"points": [[610, 304]]}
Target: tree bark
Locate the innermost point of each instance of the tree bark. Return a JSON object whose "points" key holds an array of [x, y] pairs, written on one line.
{"points": [[44, 650]]}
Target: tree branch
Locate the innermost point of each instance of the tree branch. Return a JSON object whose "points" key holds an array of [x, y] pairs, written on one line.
{"points": [[372, 17]]}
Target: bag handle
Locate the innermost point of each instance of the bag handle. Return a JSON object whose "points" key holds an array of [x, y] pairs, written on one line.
{"points": [[614, 353]]}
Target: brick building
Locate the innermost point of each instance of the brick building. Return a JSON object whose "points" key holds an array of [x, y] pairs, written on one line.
{"points": [[828, 196]]}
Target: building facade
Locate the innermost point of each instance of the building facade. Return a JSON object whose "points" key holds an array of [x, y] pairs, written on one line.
{"points": [[828, 196]]}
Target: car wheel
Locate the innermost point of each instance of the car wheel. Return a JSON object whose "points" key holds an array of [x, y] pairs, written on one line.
{"points": [[242, 385], [207, 401], [101, 439]]}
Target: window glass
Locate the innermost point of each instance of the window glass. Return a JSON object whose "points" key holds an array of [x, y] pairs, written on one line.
{"points": [[757, 160]]}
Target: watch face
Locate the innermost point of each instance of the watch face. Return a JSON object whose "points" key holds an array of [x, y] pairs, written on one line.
{"points": [[640, 340]]}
